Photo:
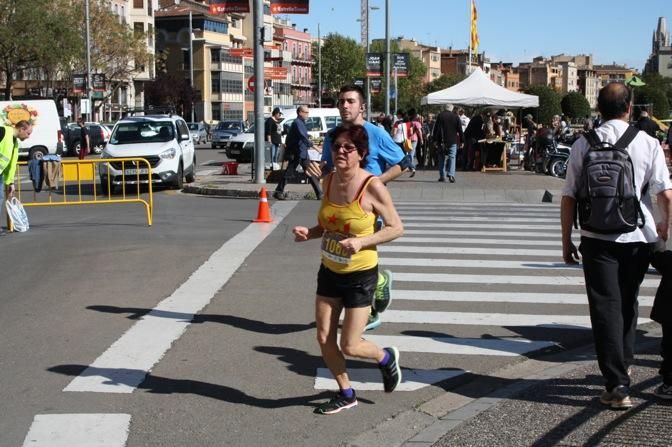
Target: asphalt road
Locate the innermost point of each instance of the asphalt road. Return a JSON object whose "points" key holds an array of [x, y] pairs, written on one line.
{"points": [[244, 371]]}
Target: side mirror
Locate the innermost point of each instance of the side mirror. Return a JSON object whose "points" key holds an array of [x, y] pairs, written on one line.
{"points": [[185, 137]]}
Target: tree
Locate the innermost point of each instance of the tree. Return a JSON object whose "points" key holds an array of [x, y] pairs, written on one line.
{"points": [[549, 103], [443, 82], [34, 35], [575, 105], [342, 62], [652, 94], [169, 90]]}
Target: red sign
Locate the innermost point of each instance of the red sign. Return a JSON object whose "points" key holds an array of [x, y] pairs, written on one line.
{"points": [[228, 6], [240, 52], [278, 73], [250, 83], [289, 6]]}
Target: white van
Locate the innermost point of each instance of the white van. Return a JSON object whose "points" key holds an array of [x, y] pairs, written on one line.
{"points": [[46, 134], [318, 123]]}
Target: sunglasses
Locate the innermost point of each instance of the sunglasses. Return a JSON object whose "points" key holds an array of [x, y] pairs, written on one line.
{"points": [[347, 148]]}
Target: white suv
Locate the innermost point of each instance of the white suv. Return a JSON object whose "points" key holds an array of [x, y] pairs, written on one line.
{"points": [[163, 140]]}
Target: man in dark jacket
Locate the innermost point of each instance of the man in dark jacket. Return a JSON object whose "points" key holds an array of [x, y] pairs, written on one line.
{"points": [[297, 145], [447, 134], [662, 313], [647, 124], [472, 134]]}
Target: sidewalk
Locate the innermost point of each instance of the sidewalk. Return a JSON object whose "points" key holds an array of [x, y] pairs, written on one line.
{"points": [[514, 186]]}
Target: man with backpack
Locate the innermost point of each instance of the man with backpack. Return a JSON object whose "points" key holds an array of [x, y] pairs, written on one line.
{"points": [[611, 174]]}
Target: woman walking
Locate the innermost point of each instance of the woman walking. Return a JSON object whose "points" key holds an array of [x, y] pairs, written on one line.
{"points": [[348, 274]]}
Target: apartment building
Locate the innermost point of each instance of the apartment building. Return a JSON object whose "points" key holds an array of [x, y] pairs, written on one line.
{"points": [[430, 56], [297, 56]]}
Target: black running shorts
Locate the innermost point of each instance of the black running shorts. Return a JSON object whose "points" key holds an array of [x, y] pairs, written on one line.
{"points": [[355, 289]]}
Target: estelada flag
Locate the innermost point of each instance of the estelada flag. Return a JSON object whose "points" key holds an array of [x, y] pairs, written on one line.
{"points": [[228, 6], [289, 6], [474, 28]]}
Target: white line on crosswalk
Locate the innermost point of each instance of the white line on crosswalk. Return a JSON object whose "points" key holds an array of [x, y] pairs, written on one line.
{"points": [[488, 226], [124, 365], [460, 346], [464, 240], [470, 251], [500, 297], [78, 430], [483, 217], [492, 319], [476, 263], [493, 232], [477, 205], [501, 279], [369, 379], [476, 213]]}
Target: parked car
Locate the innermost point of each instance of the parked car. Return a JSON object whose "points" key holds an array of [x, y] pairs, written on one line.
{"points": [[47, 132], [99, 135], [163, 140], [225, 130], [198, 132], [318, 123]]}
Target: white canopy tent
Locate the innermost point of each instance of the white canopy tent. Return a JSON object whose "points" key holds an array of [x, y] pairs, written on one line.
{"points": [[479, 90]]}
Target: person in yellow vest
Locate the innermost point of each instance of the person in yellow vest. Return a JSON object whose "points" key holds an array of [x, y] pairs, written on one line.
{"points": [[9, 155], [348, 275]]}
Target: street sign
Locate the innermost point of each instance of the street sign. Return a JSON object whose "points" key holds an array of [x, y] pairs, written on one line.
{"points": [[277, 73], [98, 82], [376, 85], [250, 83], [374, 64], [78, 83], [400, 61], [240, 52]]}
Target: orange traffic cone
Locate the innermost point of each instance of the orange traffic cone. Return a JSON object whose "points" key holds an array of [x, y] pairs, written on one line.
{"points": [[263, 212]]}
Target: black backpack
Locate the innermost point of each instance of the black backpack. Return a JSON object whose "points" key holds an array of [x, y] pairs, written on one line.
{"points": [[606, 200]]}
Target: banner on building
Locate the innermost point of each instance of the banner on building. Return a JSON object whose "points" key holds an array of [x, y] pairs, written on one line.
{"points": [[400, 62], [98, 82], [289, 6], [376, 86], [241, 52], [229, 6], [276, 73], [374, 65], [78, 83]]}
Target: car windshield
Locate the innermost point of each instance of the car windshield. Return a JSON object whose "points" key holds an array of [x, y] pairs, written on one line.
{"points": [[143, 132], [228, 125], [250, 129]]}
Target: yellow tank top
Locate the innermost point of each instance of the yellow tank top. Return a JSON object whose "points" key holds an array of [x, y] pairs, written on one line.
{"points": [[341, 222]]}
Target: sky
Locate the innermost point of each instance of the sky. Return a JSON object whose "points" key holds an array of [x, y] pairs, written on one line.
{"points": [[510, 31]]}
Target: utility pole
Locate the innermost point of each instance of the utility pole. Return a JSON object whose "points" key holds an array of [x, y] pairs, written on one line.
{"points": [[191, 66], [365, 38], [387, 57], [319, 67], [88, 61], [259, 142]]}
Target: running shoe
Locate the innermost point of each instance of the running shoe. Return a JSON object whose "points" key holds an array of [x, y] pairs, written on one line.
{"points": [[337, 403], [382, 297], [373, 321], [391, 371], [664, 391], [618, 398]]}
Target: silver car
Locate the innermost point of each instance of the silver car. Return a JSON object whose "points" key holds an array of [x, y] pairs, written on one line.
{"points": [[198, 133]]}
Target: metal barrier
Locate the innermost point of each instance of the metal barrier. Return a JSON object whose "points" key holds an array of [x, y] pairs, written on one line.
{"points": [[81, 175]]}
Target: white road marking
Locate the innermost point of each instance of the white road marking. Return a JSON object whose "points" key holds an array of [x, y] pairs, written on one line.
{"points": [[78, 430], [492, 233], [125, 364], [470, 251], [465, 240], [369, 379], [484, 217], [477, 263], [486, 226], [508, 347], [502, 279], [209, 171], [492, 319], [479, 213], [476, 205], [500, 297]]}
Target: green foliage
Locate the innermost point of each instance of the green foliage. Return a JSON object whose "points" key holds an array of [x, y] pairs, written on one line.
{"points": [[549, 103], [443, 82], [575, 105], [342, 62], [652, 94]]}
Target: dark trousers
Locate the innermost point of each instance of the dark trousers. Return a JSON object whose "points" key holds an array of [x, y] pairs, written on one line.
{"points": [[291, 172], [613, 273], [666, 354]]}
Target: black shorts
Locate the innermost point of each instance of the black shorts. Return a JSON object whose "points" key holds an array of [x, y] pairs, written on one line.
{"points": [[355, 289]]}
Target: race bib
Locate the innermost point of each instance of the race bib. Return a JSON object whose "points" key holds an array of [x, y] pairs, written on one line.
{"points": [[332, 250]]}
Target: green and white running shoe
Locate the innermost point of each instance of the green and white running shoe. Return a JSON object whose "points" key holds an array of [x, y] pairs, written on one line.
{"points": [[373, 321], [382, 297]]}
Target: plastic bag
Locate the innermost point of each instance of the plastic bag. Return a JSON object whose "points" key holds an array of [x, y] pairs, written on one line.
{"points": [[17, 215]]}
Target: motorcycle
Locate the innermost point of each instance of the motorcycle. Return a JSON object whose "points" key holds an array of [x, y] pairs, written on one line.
{"points": [[549, 155]]}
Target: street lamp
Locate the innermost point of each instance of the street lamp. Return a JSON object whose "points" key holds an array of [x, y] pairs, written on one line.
{"points": [[365, 36], [387, 58]]}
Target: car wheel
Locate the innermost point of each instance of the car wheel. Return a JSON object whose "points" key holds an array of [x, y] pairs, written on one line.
{"points": [[191, 176], [98, 149], [37, 153], [179, 180], [77, 147]]}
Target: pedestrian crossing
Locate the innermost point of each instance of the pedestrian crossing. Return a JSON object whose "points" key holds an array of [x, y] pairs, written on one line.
{"points": [[457, 259]]}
